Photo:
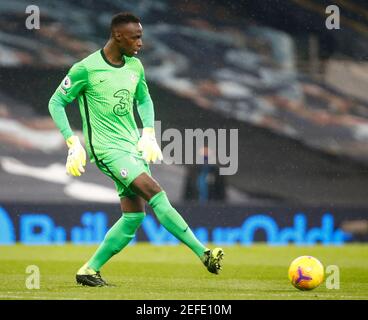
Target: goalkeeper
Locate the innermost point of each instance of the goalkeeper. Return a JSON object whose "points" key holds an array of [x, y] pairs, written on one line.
{"points": [[106, 83]]}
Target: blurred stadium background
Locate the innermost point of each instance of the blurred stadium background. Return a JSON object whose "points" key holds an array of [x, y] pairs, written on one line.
{"points": [[296, 91]]}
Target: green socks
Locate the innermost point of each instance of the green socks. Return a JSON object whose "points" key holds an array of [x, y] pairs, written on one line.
{"points": [[123, 231], [174, 222], [120, 234]]}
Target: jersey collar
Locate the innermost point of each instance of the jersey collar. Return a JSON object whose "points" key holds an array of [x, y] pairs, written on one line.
{"points": [[120, 65]]}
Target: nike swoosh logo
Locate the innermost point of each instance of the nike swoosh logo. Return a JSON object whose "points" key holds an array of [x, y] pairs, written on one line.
{"points": [[102, 80]]}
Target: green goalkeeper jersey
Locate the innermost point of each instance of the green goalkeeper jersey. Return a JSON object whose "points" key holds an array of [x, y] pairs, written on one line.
{"points": [[105, 93]]}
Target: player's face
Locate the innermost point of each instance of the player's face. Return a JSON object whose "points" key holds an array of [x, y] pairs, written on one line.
{"points": [[129, 38]]}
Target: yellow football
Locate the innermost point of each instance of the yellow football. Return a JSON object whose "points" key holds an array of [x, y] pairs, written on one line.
{"points": [[306, 273]]}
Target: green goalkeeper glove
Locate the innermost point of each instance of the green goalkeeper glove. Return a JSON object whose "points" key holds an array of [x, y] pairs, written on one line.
{"points": [[147, 144], [76, 157]]}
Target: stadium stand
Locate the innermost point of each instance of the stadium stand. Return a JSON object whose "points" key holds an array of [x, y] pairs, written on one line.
{"points": [[238, 71]]}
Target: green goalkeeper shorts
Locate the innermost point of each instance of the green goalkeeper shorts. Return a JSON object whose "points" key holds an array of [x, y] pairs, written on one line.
{"points": [[123, 168]]}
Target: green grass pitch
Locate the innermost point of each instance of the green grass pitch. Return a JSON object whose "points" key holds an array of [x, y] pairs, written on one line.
{"points": [[143, 271]]}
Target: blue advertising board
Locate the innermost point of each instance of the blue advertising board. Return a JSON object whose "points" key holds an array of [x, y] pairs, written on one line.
{"points": [[224, 225]]}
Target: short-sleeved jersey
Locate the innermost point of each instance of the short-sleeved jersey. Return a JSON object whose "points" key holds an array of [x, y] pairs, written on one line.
{"points": [[105, 94]]}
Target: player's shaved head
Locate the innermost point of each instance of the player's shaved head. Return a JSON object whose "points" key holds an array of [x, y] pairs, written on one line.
{"points": [[126, 33], [123, 18]]}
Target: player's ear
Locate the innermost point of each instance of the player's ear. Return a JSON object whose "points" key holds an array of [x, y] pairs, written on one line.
{"points": [[116, 35]]}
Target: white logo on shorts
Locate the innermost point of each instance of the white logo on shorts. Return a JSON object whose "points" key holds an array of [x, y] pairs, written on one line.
{"points": [[124, 173]]}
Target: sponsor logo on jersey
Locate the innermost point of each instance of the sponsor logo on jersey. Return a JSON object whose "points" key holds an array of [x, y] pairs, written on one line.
{"points": [[66, 83], [124, 173], [125, 102]]}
